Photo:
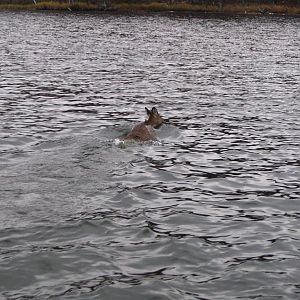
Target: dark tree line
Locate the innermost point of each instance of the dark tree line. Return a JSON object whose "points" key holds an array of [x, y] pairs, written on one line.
{"points": [[221, 3]]}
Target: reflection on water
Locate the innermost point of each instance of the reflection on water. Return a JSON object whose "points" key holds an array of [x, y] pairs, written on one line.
{"points": [[209, 212]]}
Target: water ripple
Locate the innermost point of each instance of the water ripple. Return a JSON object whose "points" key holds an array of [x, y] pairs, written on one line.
{"points": [[209, 211]]}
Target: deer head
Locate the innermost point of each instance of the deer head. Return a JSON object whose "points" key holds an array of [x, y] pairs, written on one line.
{"points": [[154, 118]]}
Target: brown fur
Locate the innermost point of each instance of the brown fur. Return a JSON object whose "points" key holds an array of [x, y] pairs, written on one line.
{"points": [[144, 131]]}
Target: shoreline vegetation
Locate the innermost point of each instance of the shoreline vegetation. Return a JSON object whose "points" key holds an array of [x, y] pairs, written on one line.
{"points": [[230, 7]]}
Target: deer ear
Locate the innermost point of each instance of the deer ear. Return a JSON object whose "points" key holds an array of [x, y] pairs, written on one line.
{"points": [[154, 110], [148, 112]]}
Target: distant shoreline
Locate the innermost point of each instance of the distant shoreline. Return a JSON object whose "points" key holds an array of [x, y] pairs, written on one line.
{"points": [[157, 7]]}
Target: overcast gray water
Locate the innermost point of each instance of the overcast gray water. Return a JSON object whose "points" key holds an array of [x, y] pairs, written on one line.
{"points": [[209, 211]]}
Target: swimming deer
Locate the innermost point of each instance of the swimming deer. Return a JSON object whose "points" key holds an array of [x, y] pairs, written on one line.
{"points": [[144, 131]]}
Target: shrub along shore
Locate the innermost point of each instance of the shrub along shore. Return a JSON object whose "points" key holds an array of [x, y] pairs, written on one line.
{"points": [[254, 7]]}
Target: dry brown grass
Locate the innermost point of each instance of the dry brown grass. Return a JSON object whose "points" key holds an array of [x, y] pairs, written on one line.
{"points": [[228, 8], [160, 6], [50, 5], [163, 6], [153, 6]]}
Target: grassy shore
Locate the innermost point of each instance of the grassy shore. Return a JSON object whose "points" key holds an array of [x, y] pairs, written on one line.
{"points": [[208, 8], [236, 8], [50, 5]]}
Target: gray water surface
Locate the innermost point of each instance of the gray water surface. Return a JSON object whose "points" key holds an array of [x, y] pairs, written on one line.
{"points": [[209, 211]]}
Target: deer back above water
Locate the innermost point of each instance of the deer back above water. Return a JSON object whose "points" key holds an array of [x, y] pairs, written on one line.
{"points": [[144, 131]]}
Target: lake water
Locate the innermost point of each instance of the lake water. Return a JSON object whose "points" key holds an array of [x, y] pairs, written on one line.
{"points": [[209, 211]]}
